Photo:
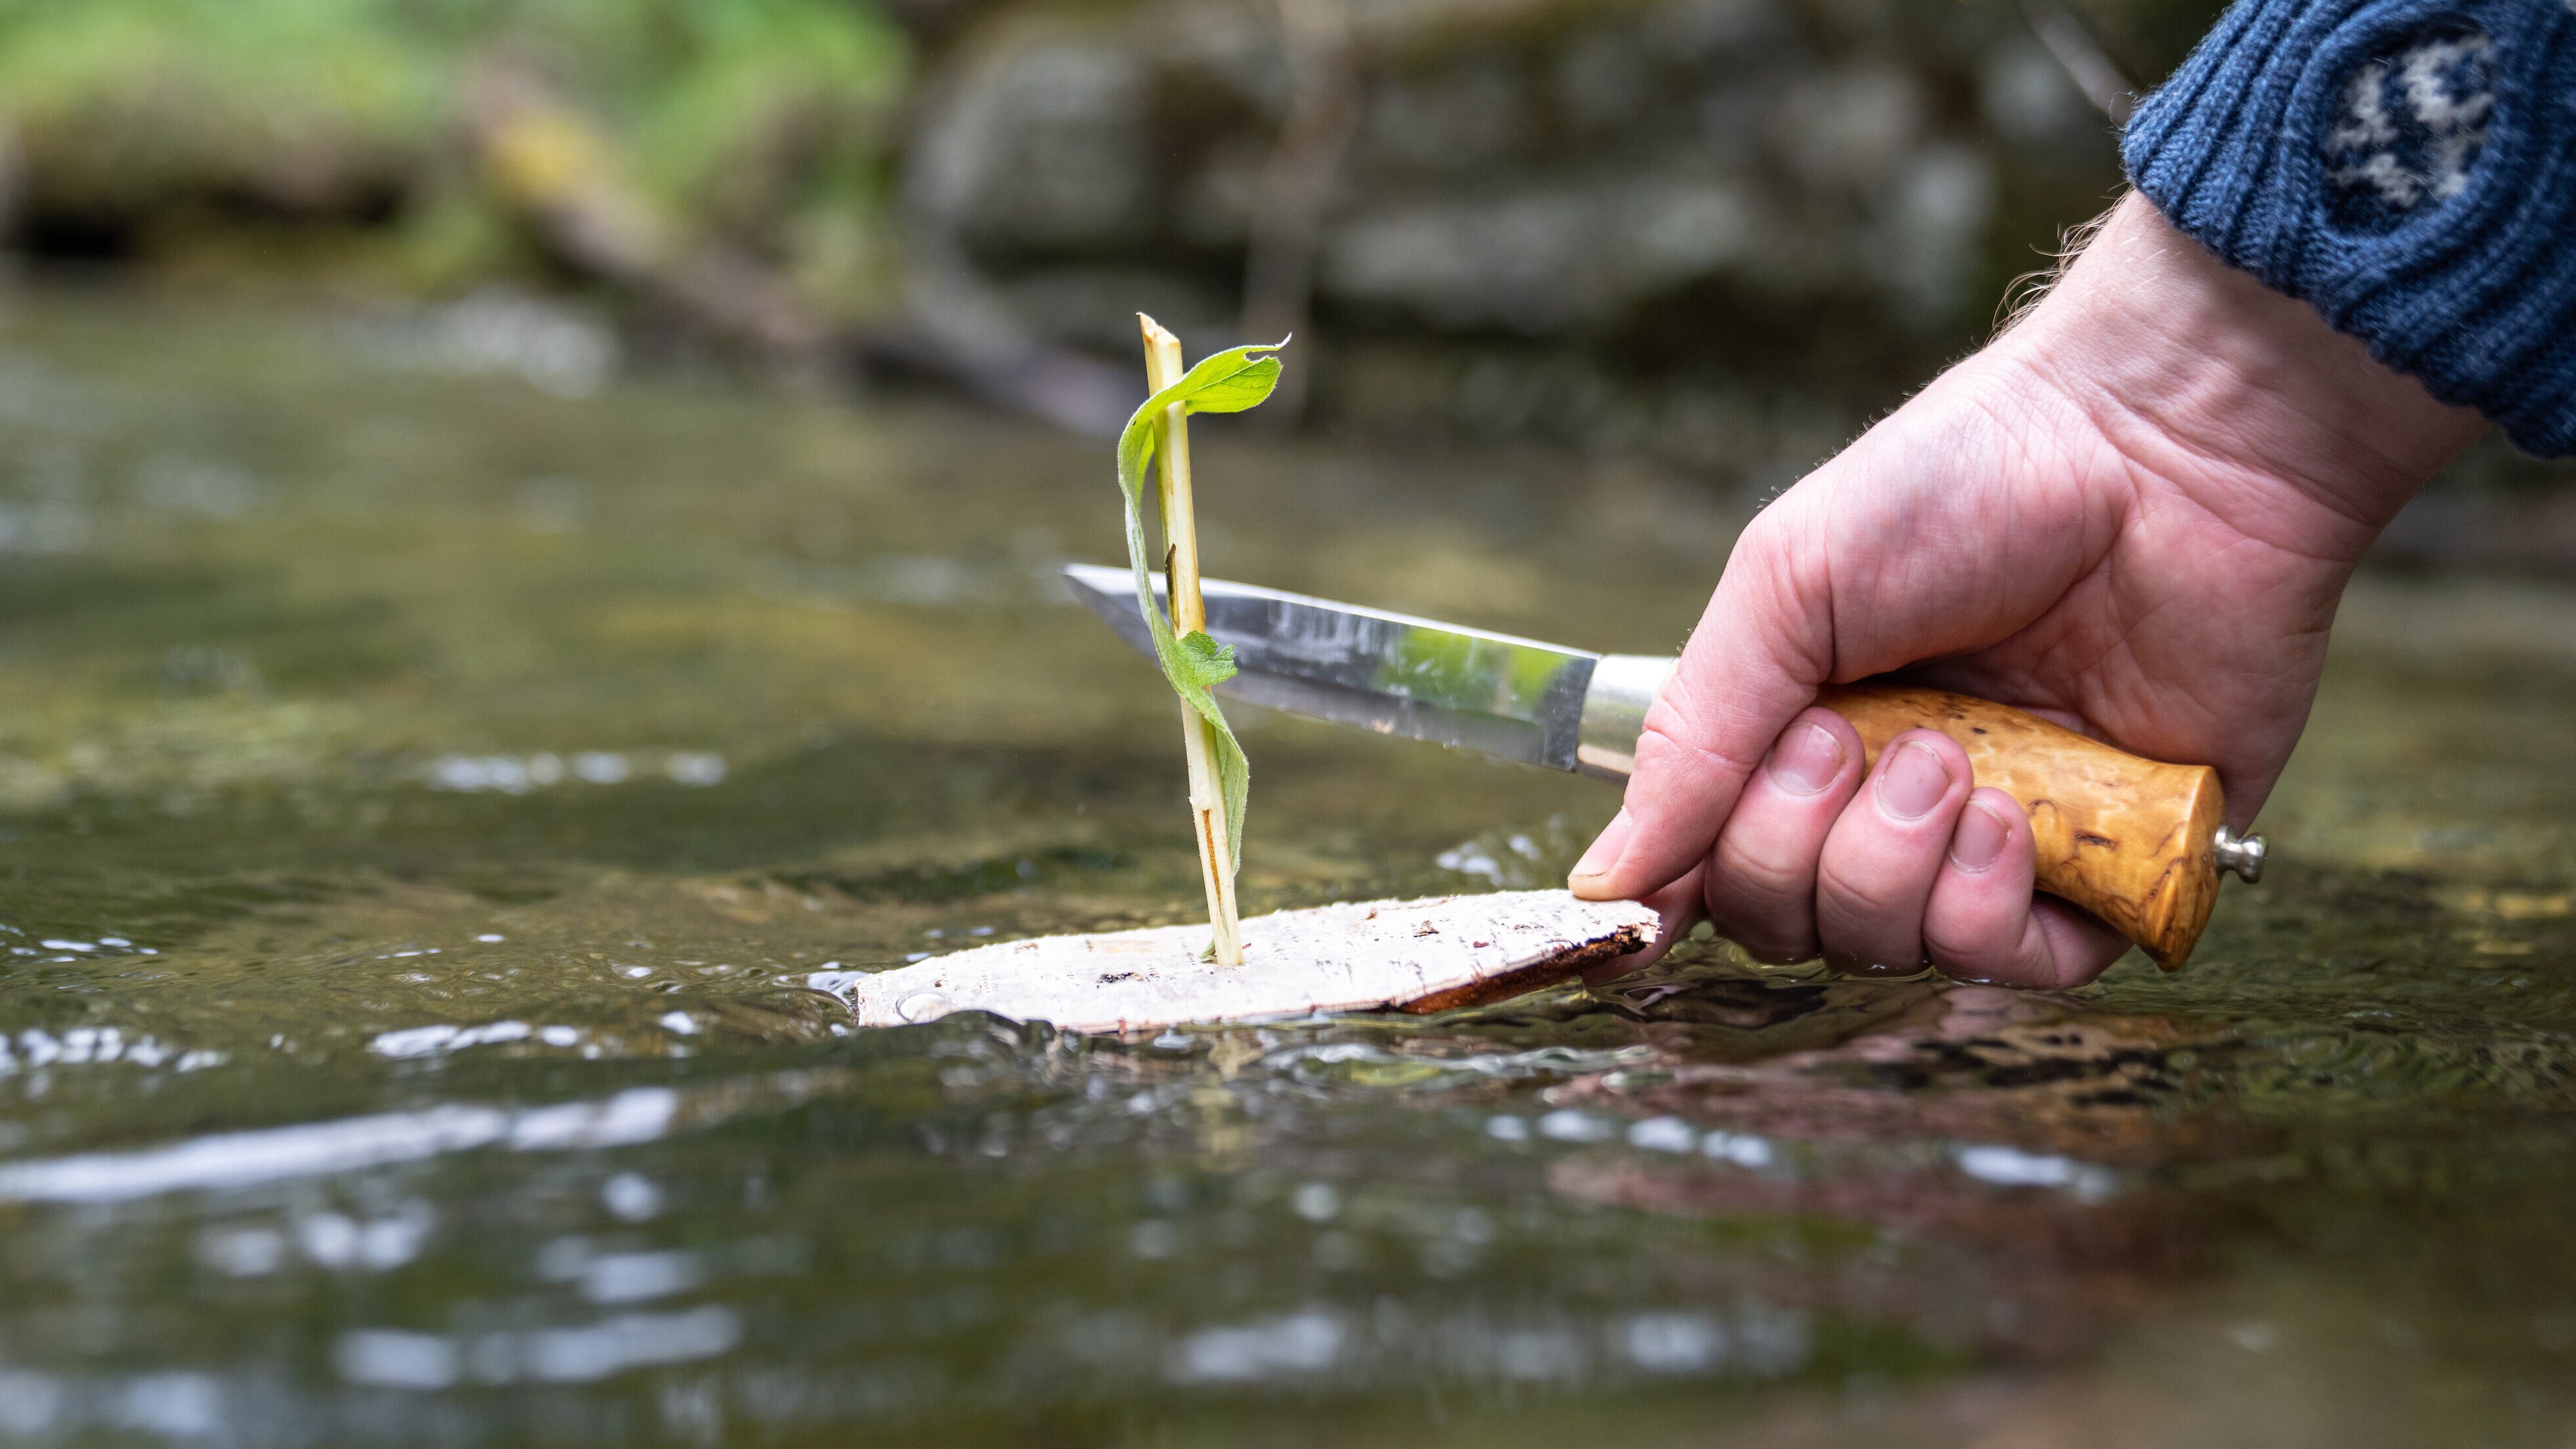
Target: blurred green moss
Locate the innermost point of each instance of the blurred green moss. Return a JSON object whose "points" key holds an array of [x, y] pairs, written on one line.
{"points": [[151, 127]]}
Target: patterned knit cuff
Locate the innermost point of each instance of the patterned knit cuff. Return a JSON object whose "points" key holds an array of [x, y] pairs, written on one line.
{"points": [[2408, 168]]}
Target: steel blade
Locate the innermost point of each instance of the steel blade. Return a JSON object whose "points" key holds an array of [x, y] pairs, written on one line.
{"points": [[1499, 695]]}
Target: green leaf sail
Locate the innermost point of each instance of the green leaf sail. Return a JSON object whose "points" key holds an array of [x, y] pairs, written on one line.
{"points": [[1228, 382]]}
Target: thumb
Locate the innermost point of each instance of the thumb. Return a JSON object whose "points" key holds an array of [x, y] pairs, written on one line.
{"points": [[1757, 658]]}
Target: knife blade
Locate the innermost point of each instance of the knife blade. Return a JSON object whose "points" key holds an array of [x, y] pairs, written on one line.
{"points": [[2138, 842], [1517, 699]]}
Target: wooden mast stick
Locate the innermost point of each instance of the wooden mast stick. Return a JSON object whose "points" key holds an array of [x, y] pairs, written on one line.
{"points": [[1163, 367]]}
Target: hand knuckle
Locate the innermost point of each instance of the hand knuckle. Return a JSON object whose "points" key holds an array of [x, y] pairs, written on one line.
{"points": [[1856, 899], [1950, 947], [1746, 872], [1673, 739]]}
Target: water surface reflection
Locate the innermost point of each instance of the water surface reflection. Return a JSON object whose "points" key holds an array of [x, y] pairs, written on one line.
{"points": [[426, 802]]}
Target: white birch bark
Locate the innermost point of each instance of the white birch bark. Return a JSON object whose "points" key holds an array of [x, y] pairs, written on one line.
{"points": [[1419, 955]]}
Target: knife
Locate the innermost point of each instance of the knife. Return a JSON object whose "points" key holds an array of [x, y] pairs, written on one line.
{"points": [[2139, 843]]}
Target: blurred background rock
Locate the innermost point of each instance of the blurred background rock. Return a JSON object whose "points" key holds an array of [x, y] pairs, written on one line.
{"points": [[1716, 235]]}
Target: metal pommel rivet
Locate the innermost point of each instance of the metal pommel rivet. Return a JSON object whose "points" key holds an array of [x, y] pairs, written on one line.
{"points": [[2243, 855]]}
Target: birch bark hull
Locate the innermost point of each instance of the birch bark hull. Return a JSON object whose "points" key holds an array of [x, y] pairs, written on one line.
{"points": [[1419, 955]]}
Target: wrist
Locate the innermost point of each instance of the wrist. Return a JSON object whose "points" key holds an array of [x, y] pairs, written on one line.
{"points": [[2198, 375]]}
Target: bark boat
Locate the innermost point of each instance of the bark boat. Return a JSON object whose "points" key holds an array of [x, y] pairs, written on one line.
{"points": [[1417, 956]]}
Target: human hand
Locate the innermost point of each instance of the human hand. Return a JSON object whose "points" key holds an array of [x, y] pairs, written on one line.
{"points": [[2133, 513]]}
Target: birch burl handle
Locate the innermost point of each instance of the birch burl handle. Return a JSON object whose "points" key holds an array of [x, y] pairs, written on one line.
{"points": [[2138, 843]]}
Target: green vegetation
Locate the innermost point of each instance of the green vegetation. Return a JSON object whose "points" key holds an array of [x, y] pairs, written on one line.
{"points": [[464, 131], [1229, 382]]}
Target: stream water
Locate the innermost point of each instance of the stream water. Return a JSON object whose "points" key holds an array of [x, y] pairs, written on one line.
{"points": [[429, 778]]}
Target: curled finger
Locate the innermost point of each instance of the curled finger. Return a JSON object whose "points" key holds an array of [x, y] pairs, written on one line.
{"points": [[1761, 884]]}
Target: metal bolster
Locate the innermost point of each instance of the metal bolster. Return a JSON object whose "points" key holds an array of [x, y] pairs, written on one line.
{"points": [[1624, 686]]}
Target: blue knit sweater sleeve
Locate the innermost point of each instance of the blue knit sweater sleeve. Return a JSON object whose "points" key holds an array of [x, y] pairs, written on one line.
{"points": [[2407, 167]]}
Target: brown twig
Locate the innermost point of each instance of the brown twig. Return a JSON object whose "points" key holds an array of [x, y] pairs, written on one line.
{"points": [[559, 173]]}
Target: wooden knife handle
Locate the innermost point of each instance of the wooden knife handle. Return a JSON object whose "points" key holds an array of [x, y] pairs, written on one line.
{"points": [[2135, 842]]}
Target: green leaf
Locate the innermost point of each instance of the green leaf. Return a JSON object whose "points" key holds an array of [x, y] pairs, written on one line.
{"points": [[1238, 390], [1228, 382], [1205, 663]]}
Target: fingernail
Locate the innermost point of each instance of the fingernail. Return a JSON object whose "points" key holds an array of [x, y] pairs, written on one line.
{"points": [[1912, 780], [1806, 759], [1605, 850], [1979, 838]]}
